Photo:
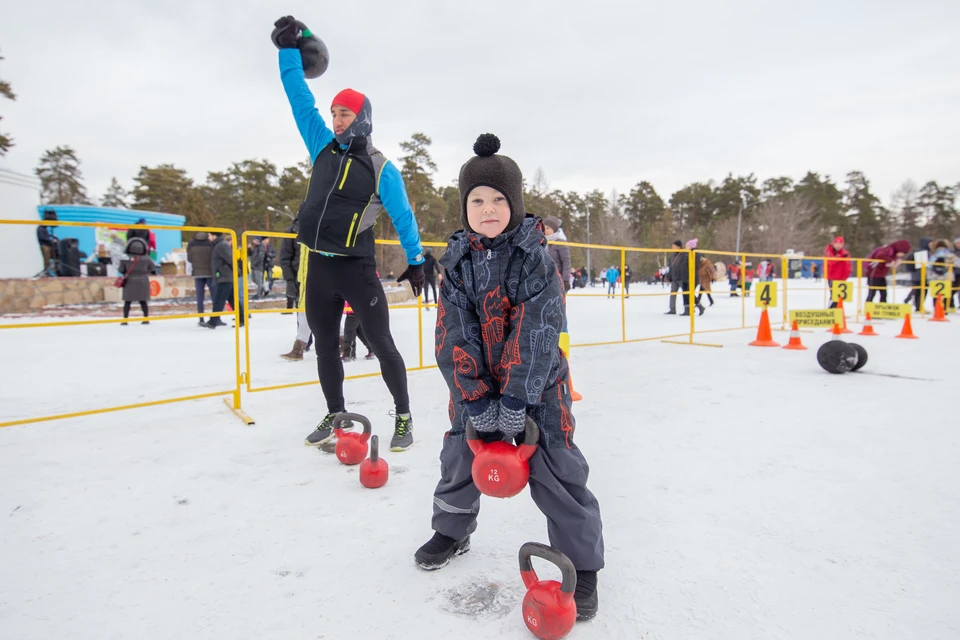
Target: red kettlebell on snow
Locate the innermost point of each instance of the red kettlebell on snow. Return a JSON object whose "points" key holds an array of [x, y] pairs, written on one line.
{"points": [[549, 610], [374, 471], [351, 447], [501, 469]]}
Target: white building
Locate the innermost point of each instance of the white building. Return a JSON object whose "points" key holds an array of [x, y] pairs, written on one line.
{"points": [[19, 252]]}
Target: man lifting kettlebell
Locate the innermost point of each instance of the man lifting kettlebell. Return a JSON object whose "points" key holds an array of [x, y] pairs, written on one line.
{"points": [[350, 184]]}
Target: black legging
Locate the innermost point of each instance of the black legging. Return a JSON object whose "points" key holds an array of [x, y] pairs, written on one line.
{"points": [[351, 331], [330, 281], [143, 307], [877, 282], [707, 291], [429, 283]]}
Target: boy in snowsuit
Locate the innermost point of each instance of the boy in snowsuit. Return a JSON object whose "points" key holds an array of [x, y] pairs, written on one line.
{"points": [[497, 346]]}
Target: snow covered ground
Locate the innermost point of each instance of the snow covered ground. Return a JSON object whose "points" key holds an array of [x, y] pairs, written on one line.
{"points": [[745, 492]]}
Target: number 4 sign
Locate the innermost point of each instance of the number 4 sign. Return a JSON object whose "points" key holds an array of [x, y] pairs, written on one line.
{"points": [[766, 294], [841, 290]]}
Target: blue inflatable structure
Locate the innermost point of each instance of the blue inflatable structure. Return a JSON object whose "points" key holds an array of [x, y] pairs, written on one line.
{"points": [[88, 238]]}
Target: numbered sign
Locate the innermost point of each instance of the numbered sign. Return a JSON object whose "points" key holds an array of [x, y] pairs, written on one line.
{"points": [[941, 288], [841, 290], [816, 317], [766, 294]]}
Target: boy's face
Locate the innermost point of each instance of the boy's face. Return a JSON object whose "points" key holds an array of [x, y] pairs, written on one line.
{"points": [[487, 211], [342, 118]]}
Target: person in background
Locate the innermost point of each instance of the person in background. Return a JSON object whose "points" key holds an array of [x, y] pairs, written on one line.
{"points": [[269, 259], [942, 266], [708, 273], [673, 272], [559, 254], [290, 264], [889, 259], [627, 277], [431, 268], [136, 277], [956, 273], [47, 240], [613, 275], [837, 269], [221, 264], [915, 268], [351, 331], [815, 272], [689, 281], [734, 276], [257, 257], [199, 254]]}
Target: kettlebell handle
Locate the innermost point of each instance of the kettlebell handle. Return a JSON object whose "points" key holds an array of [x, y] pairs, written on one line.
{"points": [[356, 417], [374, 449], [531, 432], [567, 570]]}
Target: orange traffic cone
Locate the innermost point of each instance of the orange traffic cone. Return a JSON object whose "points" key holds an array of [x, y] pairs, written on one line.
{"points": [[764, 334], [565, 348], [795, 344], [907, 331], [836, 331], [868, 328], [843, 315], [938, 313]]}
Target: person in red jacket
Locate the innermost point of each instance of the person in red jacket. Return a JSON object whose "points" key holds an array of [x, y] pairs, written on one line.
{"points": [[837, 269], [890, 255]]}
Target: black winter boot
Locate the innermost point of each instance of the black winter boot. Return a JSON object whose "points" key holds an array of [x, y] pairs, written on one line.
{"points": [[586, 595], [438, 551]]}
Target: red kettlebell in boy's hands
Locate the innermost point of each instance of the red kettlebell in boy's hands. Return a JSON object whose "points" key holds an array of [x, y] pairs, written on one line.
{"points": [[549, 610], [351, 447], [501, 469], [374, 471]]}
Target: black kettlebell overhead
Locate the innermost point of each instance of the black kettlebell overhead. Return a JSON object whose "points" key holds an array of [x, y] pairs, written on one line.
{"points": [[316, 57], [314, 52]]}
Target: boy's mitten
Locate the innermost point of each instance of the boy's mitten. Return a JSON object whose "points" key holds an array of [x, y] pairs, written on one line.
{"points": [[513, 416], [483, 415]]}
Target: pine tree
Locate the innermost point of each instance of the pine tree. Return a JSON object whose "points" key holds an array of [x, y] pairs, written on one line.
{"points": [[115, 196], [939, 210], [61, 181], [865, 214], [6, 142], [161, 188]]}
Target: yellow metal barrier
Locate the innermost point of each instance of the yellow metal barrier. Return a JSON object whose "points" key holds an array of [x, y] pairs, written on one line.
{"points": [[248, 374], [234, 391], [244, 376]]}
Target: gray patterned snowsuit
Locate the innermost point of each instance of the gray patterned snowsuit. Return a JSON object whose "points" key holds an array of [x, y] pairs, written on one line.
{"points": [[497, 334]]}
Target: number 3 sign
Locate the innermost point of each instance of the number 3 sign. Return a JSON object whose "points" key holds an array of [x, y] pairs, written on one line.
{"points": [[841, 290]]}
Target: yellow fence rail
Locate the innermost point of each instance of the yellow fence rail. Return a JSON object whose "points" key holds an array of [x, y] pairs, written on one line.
{"points": [[232, 393], [244, 379]]}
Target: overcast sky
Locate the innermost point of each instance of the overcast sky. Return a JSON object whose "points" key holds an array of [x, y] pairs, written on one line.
{"points": [[599, 94]]}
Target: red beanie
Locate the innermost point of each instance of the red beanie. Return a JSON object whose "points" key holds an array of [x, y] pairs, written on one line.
{"points": [[838, 240], [350, 99]]}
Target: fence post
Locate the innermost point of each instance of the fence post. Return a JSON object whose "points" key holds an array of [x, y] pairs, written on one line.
{"points": [[420, 322], [860, 286], [623, 296], [691, 284], [786, 277], [923, 289], [743, 291]]}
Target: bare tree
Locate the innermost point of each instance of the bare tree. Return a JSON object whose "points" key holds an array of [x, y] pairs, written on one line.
{"points": [[785, 224]]}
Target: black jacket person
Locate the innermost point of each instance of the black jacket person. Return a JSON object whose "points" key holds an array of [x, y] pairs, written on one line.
{"points": [[351, 183]]}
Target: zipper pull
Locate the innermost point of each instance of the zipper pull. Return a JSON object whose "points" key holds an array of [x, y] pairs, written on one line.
{"points": [[489, 254]]}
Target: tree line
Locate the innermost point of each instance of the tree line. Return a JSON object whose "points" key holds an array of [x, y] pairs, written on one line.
{"points": [[778, 214]]}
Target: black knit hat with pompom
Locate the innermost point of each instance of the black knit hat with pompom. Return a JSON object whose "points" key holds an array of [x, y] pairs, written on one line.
{"points": [[487, 169]]}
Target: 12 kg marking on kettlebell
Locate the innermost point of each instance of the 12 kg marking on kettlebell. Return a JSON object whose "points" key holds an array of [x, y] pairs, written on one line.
{"points": [[494, 475]]}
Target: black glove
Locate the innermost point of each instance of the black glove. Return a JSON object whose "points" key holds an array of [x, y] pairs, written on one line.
{"points": [[286, 33], [414, 274]]}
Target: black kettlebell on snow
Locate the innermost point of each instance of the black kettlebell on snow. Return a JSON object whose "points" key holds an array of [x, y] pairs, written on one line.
{"points": [[314, 52]]}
